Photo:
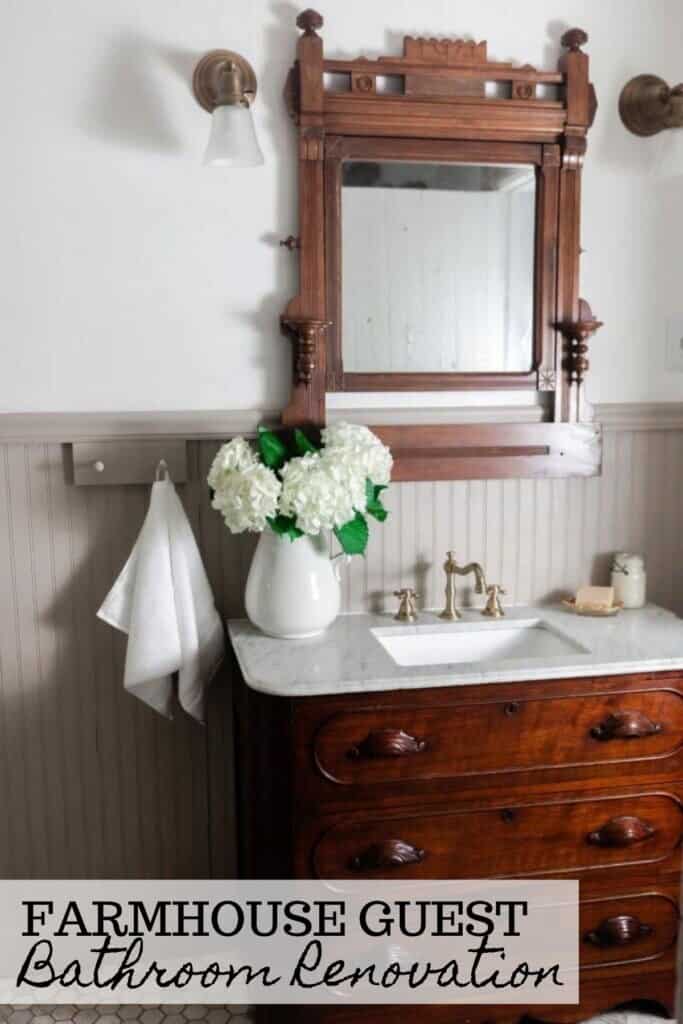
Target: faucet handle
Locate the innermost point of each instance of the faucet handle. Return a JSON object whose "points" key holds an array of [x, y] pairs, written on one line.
{"points": [[494, 609], [407, 611]]}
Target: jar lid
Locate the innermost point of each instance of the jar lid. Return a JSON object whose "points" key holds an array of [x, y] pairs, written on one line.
{"points": [[626, 562]]}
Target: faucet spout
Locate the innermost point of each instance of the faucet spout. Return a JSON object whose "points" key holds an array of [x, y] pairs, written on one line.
{"points": [[479, 577], [452, 569]]}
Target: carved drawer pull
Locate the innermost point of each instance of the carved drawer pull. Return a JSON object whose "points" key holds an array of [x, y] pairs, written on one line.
{"points": [[623, 831], [625, 725], [618, 931], [392, 853], [388, 743]]}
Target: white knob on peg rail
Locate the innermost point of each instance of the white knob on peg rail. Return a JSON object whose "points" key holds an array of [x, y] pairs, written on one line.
{"points": [[98, 466]]}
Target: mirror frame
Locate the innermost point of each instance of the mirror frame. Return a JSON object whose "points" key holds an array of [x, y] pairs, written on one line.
{"points": [[443, 110]]}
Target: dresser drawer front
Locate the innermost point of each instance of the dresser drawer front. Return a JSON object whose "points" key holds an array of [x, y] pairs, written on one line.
{"points": [[518, 840], [440, 742], [626, 929]]}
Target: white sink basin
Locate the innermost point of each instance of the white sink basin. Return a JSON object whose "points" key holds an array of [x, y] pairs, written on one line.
{"points": [[466, 642]]}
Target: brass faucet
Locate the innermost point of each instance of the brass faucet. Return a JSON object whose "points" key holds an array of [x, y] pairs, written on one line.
{"points": [[452, 569], [407, 612]]}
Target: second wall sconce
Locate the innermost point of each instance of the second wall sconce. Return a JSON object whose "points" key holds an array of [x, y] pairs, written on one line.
{"points": [[647, 105], [224, 84]]}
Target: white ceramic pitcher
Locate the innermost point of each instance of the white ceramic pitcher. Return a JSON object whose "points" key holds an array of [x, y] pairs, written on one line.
{"points": [[293, 587]]}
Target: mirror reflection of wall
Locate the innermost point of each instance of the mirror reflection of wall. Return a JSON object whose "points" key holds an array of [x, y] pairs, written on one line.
{"points": [[437, 267]]}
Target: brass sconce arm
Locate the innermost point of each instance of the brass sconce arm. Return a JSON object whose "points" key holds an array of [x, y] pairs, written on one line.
{"points": [[648, 105], [223, 78]]}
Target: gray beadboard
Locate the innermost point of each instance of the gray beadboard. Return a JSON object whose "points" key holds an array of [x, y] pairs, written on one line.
{"points": [[94, 784]]}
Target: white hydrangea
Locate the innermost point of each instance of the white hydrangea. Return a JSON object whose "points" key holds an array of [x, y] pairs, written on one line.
{"points": [[360, 446], [236, 455], [247, 497], [321, 491], [348, 474]]}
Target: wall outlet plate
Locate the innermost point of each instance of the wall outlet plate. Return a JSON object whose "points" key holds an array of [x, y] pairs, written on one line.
{"points": [[674, 343]]}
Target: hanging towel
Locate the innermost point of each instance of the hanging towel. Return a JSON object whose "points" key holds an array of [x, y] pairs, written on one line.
{"points": [[163, 601]]}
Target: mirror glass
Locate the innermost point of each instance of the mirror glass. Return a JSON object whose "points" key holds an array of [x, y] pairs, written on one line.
{"points": [[437, 267]]}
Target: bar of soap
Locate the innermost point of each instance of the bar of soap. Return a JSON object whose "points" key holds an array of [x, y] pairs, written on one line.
{"points": [[595, 597]]}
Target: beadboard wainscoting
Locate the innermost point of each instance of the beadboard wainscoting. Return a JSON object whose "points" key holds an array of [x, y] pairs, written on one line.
{"points": [[94, 784]]}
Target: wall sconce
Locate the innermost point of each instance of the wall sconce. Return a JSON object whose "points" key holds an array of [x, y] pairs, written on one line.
{"points": [[647, 105], [224, 83]]}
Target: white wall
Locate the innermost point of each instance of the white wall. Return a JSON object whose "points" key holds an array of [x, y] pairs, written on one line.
{"points": [[130, 278]]}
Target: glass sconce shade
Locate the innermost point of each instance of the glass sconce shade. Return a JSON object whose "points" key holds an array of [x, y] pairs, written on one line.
{"points": [[233, 141]]}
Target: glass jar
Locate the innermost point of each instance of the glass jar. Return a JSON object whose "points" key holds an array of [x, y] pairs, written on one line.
{"points": [[629, 579]]}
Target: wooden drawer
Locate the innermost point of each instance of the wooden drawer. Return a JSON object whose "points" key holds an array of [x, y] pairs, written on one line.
{"points": [[601, 992], [626, 929], [406, 744], [551, 837]]}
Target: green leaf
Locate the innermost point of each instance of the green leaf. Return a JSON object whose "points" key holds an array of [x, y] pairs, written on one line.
{"points": [[373, 491], [353, 536], [302, 444], [272, 450], [285, 526], [378, 512], [374, 506]]}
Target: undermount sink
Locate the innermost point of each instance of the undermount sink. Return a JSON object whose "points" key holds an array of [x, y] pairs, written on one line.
{"points": [[466, 642]]}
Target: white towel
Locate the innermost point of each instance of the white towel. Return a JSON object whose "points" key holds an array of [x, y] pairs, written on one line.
{"points": [[163, 601]]}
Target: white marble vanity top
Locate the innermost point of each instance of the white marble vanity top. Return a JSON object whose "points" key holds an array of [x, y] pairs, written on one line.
{"points": [[349, 658]]}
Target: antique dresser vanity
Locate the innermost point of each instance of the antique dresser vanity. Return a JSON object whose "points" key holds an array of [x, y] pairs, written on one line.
{"points": [[438, 249], [353, 767]]}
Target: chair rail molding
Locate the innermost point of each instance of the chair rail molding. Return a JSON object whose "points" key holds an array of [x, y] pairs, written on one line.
{"points": [[200, 425], [640, 416], [191, 425]]}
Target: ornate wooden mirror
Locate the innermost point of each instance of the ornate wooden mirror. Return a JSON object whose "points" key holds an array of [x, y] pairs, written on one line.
{"points": [[439, 214]]}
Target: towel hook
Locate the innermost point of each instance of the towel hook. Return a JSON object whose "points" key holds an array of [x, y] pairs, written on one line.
{"points": [[162, 472]]}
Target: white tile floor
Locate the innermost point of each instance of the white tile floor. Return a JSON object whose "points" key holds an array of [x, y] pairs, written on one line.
{"points": [[174, 1014], [128, 1014]]}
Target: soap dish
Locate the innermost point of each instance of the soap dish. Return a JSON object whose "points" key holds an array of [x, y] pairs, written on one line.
{"points": [[592, 610]]}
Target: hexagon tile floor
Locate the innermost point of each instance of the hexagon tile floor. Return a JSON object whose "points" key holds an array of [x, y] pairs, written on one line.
{"points": [[128, 1014], [131, 1014]]}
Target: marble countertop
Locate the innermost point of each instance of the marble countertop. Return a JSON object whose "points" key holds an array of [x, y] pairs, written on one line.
{"points": [[349, 658]]}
